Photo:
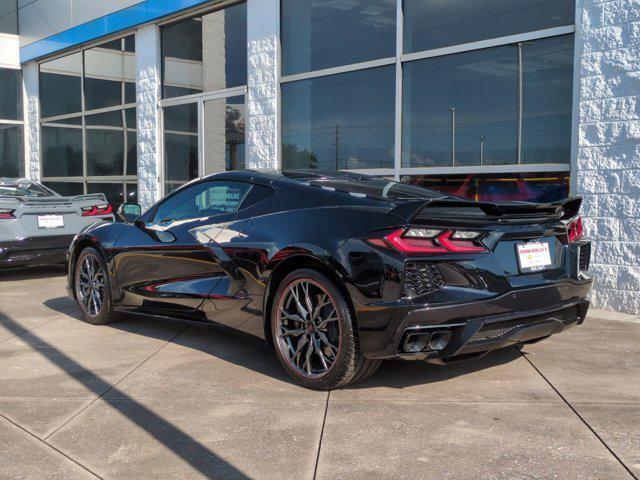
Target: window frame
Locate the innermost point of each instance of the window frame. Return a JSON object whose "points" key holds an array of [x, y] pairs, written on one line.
{"points": [[196, 98], [188, 186], [399, 60], [124, 179], [18, 123]]}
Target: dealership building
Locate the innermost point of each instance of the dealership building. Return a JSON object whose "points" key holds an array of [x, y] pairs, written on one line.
{"points": [[490, 99]]}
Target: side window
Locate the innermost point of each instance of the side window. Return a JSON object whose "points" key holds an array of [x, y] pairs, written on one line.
{"points": [[257, 194], [205, 199]]}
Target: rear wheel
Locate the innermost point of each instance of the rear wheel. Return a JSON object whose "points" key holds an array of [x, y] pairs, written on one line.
{"points": [[93, 290], [314, 333]]}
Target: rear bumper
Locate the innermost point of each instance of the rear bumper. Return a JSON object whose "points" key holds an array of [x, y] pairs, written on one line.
{"points": [[32, 251], [519, 316]]}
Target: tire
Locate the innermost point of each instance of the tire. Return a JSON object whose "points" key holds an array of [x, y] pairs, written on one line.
{"points": [[97, 310], [330, 356]]}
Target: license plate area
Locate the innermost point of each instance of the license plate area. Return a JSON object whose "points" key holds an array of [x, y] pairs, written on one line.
{"points": [[50, 221], [533, 256]]}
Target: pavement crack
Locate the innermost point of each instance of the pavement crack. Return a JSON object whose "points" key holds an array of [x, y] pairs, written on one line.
{"points": [[111, 387], [580, 417], [324, 421], [52, 447]]}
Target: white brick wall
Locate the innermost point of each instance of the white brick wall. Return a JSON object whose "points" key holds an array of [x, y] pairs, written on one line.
{"points": [[148, 95], [31, 105], [263, 90], [608, 155]]}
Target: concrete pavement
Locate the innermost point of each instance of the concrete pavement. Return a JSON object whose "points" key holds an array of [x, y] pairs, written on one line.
{"points": [[150, 398]]}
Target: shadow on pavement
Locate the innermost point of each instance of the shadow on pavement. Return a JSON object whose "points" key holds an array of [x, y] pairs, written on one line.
{"points": [[190, 450], [30, 273], [253, 353]]}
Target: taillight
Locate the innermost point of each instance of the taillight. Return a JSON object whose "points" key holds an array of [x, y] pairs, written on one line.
{"points": [[96, 210], [575, 230], [417, 241], [6, 214]]}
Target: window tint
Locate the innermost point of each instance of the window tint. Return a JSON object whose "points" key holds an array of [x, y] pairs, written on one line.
{"points": [[461, 109], [341, 121], [224, 140], [467, 109], [436, 24], [113, 191], [547, 75], [205, 54], [202, 200], [255, 195], [60, 86], [180, 145], [11, 157], [61, 152], [66, 189], [319, 34], [11, 98]]}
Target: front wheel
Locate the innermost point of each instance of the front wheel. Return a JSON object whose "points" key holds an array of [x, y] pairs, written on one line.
{"points": [[314, 333], [93, 290]]}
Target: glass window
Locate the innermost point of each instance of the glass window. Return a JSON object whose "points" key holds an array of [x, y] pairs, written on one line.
{"points": [[341, 121], [180, 145], [206, 53], [9, 17], [109, 75], [85, 144], [547, 74], [529, 187], [66, 189], [461, 109], [11, 156], [105, 152], [319, 34], [113, 191], [132, 192], [436, 24], [61, 86], [202, 200], [10, 94], [224, 134], [61, 151]]}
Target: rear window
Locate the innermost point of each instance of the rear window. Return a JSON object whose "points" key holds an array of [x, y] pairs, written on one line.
{"points": [[378, 188]]}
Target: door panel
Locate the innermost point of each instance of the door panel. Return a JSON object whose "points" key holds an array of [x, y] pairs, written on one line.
{"points": [[167, 265]]}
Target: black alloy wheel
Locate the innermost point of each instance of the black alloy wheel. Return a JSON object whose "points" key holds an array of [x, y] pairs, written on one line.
{"points": [[313, 333], [92, 288]]}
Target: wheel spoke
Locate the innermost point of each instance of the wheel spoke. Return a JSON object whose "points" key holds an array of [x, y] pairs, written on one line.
{"points": [[307, 298], [289, 316], [326, 341], [316, 346], [291, 332], [325, 322], [307, 361], [296, 298], [296, 357], [323, 302]]}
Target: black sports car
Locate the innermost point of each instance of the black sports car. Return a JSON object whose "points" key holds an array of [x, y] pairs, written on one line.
{"points": [[340, 271]]}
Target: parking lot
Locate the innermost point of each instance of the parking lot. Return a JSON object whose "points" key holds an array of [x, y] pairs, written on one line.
{"points": [[149, 398]]}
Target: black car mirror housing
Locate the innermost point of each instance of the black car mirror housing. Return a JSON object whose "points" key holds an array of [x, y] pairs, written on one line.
{"points": [[129, 212]]}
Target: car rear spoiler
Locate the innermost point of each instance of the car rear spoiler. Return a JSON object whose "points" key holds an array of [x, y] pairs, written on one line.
{"points": [[54, 200], [447, 209]]}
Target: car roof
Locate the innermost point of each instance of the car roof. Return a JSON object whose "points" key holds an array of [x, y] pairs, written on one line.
{"points": [[356, 184]]}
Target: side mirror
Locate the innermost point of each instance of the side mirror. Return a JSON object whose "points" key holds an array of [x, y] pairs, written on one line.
{"points": [[129, 212]]}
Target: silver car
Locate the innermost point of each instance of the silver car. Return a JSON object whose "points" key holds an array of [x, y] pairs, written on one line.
{"points": [[37, 225]]}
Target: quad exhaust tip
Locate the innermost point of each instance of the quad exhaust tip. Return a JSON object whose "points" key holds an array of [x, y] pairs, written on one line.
{"points": [[426, 342]]}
